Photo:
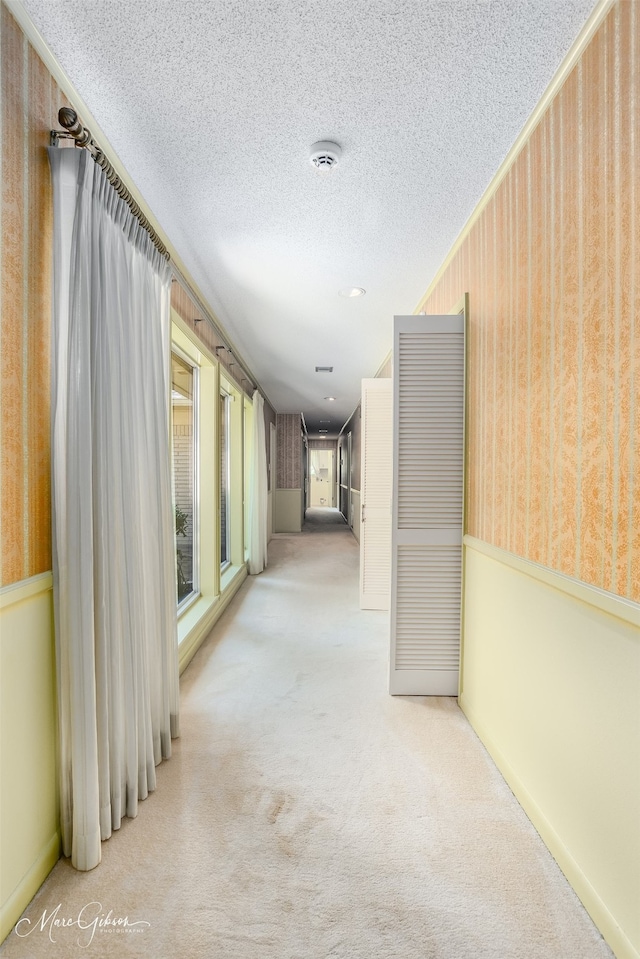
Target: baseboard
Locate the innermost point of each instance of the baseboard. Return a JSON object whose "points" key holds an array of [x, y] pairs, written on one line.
{"points": [[12, 909], [195, 639], [615, 937]]}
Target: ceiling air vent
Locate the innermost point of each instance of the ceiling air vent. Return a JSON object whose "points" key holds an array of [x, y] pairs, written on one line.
{"points": [[325, 155], [324, 369]]}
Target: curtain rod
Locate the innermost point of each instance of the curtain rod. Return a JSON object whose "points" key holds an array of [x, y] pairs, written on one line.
{"points": [[68, 118], [74, 129]]}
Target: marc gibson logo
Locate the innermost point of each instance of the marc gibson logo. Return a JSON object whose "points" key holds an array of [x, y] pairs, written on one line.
{"points": [[90, 919]]}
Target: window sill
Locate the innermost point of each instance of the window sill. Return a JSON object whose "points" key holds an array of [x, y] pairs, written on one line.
{"points": [[196, 621], [189, 618], [228, 575]]}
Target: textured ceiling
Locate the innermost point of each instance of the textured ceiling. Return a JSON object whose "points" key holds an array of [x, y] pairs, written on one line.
{"points": [[212, 105]]}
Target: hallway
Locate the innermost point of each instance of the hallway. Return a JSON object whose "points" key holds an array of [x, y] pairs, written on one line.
{"points": [[307, 814]]}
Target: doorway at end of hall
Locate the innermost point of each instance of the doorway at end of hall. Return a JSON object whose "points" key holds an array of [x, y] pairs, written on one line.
{"points": [[322, 490]]}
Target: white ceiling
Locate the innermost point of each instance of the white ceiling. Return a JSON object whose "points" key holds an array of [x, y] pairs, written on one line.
{"points": [[213, 105]]}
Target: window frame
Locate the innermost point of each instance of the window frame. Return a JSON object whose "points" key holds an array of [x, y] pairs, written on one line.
{"points": [[248, 459], [235, 501], [226, 415], [191, 597], [216, 587]]}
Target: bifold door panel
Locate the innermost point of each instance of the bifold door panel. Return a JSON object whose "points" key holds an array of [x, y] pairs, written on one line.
{"points": [[428, 439]]}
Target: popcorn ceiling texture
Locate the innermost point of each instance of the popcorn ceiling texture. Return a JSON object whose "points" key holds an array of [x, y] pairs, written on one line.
{"points": [[212, 106]]}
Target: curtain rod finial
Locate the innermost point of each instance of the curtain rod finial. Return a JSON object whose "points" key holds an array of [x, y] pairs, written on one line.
{"points": [[69, 119]]}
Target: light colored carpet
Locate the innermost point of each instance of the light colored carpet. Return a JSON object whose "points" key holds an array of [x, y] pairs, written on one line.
{"points": [[306, 814], [324, 519]]}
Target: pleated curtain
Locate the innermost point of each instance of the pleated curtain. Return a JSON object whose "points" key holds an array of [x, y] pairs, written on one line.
{"points": [[113, 529], [258, 491]]}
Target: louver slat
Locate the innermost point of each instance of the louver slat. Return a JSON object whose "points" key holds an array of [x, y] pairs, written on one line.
{"points": [[428, 495]]}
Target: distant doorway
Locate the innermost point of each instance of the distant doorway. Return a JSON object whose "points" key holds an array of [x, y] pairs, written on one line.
{"points": [[321, 478]]}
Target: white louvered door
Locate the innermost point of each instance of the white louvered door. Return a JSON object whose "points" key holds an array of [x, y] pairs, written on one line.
{"points": [[375, 501], [428, 426]]}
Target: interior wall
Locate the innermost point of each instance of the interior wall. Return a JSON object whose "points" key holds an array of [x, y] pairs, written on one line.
{"points": [[322, 444], [342, 479], [269, 421], [289, 462], [353, 426], [386, 370], [29, 836], [551, 265], [289, 492], [29, 826], [30, 101], [550, 683]]}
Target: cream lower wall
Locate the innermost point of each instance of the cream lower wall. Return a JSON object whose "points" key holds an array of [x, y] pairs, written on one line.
{"points": [[29, 806], [550, 683], [289, 510], [29, 836]]}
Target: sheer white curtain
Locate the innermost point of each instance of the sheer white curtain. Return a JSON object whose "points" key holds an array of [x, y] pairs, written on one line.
{"points": [[258, 491], [113, 528]]}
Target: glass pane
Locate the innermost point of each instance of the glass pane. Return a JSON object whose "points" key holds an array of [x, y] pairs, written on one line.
{"points": [[248, 471], [182, 392], [224, 480]]}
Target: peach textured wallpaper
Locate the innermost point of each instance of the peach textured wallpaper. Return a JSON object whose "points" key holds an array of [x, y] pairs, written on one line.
{"points": [[185, 306], [552, 267], [30, 102]]}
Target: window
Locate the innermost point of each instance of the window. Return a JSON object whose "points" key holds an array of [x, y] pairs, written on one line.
{"points": [[208, 481], [184, 433], [247, 470], [225, 473], [231, 482], [195, 393]]}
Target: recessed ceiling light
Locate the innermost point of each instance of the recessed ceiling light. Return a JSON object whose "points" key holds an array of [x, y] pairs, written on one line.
{"points": [[323, 431], [325, 421], [352, 291], [330, 398]]}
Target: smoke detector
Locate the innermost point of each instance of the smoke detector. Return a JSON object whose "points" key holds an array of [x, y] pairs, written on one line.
{"points": [[325, 155]]}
